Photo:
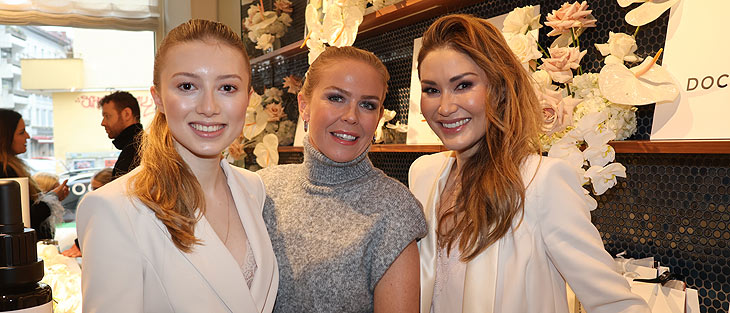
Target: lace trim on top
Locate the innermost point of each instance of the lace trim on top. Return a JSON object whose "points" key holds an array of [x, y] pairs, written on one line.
{"points": [[249, 265]]}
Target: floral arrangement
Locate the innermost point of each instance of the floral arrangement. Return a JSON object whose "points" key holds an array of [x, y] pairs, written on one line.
{"points": [[267, 127], [335, 22], [390, 133], [584, 111], [264, 27], [63, 275]]}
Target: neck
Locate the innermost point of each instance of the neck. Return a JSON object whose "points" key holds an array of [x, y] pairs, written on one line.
{"points": [[207, 170]]}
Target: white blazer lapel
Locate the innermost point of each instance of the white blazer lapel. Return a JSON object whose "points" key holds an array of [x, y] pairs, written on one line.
{"points": [[428, 245], [217, 267], [250, 206]]}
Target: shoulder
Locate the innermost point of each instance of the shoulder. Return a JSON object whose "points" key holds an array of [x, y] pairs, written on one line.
{"points": [[278, 176], [397, 203], [249, 181], [428, 165], [540, 170]]}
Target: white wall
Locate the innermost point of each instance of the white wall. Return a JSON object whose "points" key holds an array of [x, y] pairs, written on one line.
{"points": [[115, 59]]}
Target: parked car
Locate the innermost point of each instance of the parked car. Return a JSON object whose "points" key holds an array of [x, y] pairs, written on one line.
{"points": [[79, 183]]}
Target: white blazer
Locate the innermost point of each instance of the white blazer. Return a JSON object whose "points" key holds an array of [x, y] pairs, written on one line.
{"points": [[527, 269], [130, 264]]}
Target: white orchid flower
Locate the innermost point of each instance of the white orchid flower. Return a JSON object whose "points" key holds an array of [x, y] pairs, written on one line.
{"points": [[256, 120], [599, 155], [605, 177], [401, 128], [387, 116], [254, 100], [267, 152], [588, 124], [647, 11], [567, 149], [599, 134], [643, 84], [340, 25]]}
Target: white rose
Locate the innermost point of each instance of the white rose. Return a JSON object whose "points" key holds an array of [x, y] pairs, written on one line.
{"points": [[524, 47], [520, 20], [543, 80], [619, 48], [264, 42]]}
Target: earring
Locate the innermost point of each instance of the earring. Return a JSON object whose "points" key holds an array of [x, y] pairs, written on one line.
{"points": [[306, 126]]}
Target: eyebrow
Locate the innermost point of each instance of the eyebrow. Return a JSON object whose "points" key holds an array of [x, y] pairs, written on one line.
{"points": [[349, 94], [191, 75], [451, 80]]}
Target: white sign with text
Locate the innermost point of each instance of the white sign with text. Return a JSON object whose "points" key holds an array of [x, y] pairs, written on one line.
{"points": [[696, 54]]}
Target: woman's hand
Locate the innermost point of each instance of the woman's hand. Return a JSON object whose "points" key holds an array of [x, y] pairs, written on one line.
{"points": [[72, 252], [61, 191]]}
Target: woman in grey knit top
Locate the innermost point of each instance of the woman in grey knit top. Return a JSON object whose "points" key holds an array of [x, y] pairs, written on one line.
{"points": [[344, 233]]}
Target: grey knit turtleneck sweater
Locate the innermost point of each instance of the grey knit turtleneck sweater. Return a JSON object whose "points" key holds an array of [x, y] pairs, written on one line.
{"points": [[335, 228]]}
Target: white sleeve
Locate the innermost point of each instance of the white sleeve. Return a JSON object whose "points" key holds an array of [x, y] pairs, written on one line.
{"points": [[112, 273], [574, 245]]}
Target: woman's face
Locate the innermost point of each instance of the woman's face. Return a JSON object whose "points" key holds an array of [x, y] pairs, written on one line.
{"points": [[453, 99], [344, 109], [20, 138], [203, 93]]}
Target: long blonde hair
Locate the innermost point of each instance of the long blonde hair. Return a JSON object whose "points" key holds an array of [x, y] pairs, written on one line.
{"points": [[493, 192], [165, 183]]}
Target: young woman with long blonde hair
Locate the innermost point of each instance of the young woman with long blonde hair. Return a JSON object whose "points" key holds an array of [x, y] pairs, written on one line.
{"points": [[183, 232]]}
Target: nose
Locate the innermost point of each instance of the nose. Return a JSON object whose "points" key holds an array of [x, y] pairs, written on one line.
{"points": [[208, 104], [350, 114], [447, 106]]}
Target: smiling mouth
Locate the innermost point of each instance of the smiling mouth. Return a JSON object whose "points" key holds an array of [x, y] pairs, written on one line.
{"points": [[207, 128], [344, 137], [456, 124]]}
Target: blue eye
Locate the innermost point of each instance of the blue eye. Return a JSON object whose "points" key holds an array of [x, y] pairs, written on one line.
{"points": [[335, 98], [368, 105], [463, 85]]}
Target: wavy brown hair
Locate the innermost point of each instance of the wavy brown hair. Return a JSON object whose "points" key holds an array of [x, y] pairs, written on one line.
{"points": [[495, 194], [9, 121], [165, 183]]}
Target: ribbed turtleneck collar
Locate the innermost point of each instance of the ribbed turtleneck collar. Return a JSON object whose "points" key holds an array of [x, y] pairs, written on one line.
{"points": [[322, 170]]}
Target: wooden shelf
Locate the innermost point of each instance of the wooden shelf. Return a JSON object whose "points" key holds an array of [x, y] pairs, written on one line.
{"points": [[388, 18], [672, 146], [382, 148], [627, 146]]}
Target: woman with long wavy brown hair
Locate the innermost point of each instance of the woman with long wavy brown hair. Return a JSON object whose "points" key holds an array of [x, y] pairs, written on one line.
{"points": [[507, 227], [45, 205], [183, 232]]}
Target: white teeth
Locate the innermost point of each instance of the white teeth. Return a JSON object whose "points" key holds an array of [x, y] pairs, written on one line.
{"points": [[207, 129], [345, 136], [456, 124]]}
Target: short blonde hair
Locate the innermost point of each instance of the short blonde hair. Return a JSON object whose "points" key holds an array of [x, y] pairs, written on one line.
{"points": [[46, 181]]}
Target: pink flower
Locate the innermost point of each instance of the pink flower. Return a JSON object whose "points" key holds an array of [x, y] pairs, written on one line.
{"points": [[570, 16], [557, 111], [293, 84], [283, 6], [276, 112], [235, 150], [562, 62]]}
